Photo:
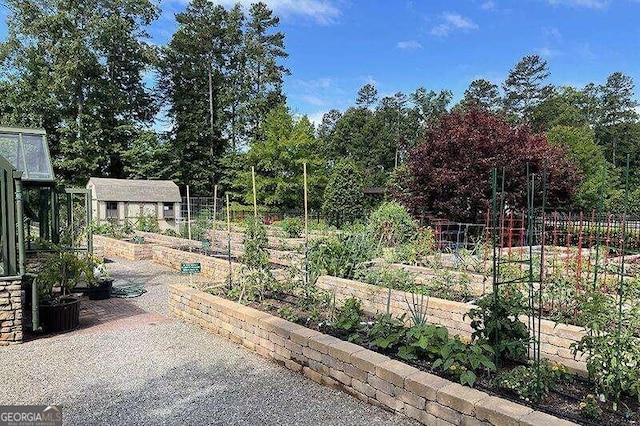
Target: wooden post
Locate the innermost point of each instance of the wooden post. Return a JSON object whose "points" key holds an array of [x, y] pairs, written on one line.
{"points": [[188, 213], [215, 211], [229, 238], [306, 210], [306, 228], [255, 202]]}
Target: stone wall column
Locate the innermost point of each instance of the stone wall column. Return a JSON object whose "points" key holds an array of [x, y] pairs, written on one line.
{"points": [[10, 312]]}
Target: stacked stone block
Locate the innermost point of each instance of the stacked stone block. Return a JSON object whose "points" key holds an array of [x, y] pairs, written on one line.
{"points": [[364, 374], [556, 338], [111, 247], [10, 312]]}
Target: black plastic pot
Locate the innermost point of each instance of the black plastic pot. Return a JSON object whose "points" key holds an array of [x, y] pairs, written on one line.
{"points": [[60, 317], [102, 290]]}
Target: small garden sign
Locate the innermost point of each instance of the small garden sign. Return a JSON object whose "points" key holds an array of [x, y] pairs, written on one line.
{"points": [[190, 268]]}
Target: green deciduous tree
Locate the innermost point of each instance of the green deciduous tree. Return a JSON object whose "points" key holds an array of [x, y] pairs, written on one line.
{"points": [[278, 160], [588, 156], [76, 69]]}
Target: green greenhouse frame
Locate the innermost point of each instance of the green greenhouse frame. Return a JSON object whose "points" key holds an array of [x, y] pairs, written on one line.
{"points": [[28, 196]]}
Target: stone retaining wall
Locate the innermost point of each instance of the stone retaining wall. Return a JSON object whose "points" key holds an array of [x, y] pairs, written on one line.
{"points": [[10, 312], [556, 338], [284, 258], [362, 373], [211, 267], [111, 247], [166, 240], [478, 283]]}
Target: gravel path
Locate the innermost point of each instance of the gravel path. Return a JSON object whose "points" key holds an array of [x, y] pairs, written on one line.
{"points": [[168, 372]]}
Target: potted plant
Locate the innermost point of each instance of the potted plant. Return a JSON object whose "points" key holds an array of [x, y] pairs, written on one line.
{"points": [[100, 287], [60, 273]]}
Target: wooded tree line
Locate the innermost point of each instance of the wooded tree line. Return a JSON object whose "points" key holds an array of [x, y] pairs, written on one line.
{"points": [[87, 73]]}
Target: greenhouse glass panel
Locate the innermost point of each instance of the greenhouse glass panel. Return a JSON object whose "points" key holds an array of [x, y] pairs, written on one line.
{"points": [[27, 151]]}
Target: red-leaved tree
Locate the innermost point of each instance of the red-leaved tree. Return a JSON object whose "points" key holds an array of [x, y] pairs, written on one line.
{"points": [[450, 172]]}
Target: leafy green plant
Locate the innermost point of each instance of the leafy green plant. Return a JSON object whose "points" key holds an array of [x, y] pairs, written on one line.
{"points": [[349, 318], [100, 228], [127, 227], [418, 250], [386, 276], [464, 360], [589, 407], [287, 313], [387, 333], [532, 382], [495, 321], [148, 223], [257, 276], [340, 255], [612, 347], [391, 224], [424, 342], [292, 226], [63, 269], [170, 232]]}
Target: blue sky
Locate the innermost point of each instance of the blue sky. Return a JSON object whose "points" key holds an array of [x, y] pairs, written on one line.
{"points": [[336, 46]]}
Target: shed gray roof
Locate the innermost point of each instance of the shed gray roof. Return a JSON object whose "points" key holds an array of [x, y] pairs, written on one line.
{"points": [[154, 191]]}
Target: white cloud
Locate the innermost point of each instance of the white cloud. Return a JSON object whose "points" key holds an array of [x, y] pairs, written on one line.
{"points": [[589, 4], [547, 52], [409, 44], [489, 5], [319, 83], [452, 22], [313, 100], [322, 12], [316, 117]]}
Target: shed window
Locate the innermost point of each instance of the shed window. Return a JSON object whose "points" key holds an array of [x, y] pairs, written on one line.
{"points": [[112, 210], [168, 210]]}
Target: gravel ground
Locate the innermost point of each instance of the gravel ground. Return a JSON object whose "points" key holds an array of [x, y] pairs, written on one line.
{"points": [[168, 373]]}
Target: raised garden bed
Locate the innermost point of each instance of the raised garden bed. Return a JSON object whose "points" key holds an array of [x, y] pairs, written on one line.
{"points": [[212, 267], [556, 337], [219, 246], [112, 247], [367, 375]]}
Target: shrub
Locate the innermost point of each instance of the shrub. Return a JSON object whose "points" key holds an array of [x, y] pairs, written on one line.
{"points": [[344, 197], [391, 225], [292, 226], [416, 251], [340, 255]]}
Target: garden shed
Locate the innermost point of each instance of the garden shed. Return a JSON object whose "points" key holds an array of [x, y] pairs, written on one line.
{"points": [[122, 200]]}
